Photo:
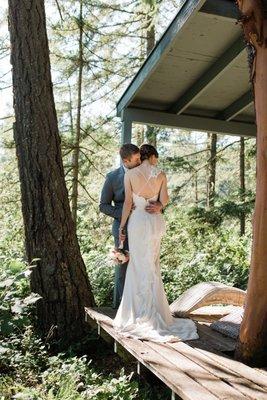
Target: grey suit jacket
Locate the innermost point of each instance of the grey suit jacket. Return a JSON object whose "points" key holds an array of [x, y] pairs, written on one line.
{"points": [[112, 198]]}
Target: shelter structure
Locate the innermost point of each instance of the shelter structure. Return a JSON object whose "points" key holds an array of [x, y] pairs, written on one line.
{"points": [[196, 77]]}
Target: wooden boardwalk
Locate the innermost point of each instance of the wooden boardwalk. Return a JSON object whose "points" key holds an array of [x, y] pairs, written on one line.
{"points": [[194, 370]]}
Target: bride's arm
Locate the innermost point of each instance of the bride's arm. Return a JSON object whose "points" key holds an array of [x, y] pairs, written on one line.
{"points": [[127, 205], [163, 195]]}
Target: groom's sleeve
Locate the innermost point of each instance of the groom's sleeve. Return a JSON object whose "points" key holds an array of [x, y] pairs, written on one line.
{"points": [[106, 197]]}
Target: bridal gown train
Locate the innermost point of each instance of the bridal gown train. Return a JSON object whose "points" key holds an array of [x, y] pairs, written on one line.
{"points": [[144, 311]]}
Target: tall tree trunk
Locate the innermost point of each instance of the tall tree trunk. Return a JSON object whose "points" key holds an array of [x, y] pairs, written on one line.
{"points": [[151, 132], [60, 275], [196, 187], [140, 135], [76, 150], [242, 184], [252, 344], [211, 169]]}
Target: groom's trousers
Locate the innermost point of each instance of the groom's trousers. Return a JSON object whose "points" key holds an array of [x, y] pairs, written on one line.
{"points": [[119, 278]]}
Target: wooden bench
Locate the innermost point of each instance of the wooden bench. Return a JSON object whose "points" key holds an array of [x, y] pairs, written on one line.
{"points": [[194, 370]]}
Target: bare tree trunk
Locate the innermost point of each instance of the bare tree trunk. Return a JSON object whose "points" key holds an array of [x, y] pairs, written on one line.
{"points": [[60, 275], [140, 135], [196, 187], [151, 132], [252, 345], [211, 169], [76, 150], [242, 184]]}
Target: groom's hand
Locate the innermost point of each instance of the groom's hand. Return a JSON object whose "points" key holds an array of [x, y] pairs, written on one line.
{"points": [[154, 207]]}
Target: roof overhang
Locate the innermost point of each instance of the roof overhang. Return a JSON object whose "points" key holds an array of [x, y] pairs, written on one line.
{"points": [[197, 76]]}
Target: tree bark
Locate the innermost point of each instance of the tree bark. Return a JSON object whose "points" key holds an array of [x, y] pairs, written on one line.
{"points": [[76, 150], [252, 344], [151, 132], [60, 275], [211, 169], [242, 184]]}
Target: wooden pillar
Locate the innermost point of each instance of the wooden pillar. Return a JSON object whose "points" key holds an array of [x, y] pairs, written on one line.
{"points": [[126, 136]]}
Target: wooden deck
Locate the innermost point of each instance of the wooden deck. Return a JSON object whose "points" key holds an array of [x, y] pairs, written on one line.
{"points": [[194, 370]]}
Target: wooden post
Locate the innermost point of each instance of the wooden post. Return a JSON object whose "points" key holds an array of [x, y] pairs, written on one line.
{"points": [[126, 136]]}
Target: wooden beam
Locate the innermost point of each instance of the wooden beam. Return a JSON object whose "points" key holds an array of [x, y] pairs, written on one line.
{"points": [[185, 14], [126, 135], [209, 76], [221, 8], [236, 107], [190, 122]]}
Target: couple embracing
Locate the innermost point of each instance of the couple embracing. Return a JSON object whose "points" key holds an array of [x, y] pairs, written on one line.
{"points": [[135, 195]]}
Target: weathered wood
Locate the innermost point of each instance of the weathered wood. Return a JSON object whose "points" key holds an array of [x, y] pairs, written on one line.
{"points": [[211, 313], [254, 375], [205, 377], [217, 340], [204, 294], [195, 369], [175, 378], [231, 377]]}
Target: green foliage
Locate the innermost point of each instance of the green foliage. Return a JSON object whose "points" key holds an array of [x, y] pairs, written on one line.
{"points": [[27, 369], [15, 305], [209, 254], [202, 219], [62, 377]]}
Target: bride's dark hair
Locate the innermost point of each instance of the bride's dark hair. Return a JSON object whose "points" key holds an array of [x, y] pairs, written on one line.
{"points": [[147, 150]]}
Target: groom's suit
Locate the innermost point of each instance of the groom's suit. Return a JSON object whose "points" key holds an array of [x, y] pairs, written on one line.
{"points": [[111, 203]]}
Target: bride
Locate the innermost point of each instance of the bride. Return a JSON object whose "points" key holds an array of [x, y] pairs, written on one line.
{"points": [[144, 311]]}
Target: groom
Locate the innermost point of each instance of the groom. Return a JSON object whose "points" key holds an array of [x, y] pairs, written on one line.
{"points": [[111, 203]]}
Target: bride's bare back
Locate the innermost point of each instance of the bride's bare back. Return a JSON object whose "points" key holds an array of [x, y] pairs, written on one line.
{"points": [[145, 185], [140, 180]]}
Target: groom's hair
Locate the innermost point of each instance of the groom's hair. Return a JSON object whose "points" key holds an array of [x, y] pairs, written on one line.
{"points": [[127, 150]]}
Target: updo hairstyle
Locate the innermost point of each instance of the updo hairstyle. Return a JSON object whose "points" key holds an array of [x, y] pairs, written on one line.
{"points": [[147, 150]]}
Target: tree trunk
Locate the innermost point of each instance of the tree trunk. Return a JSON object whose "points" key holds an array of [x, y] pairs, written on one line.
{"points": [[76, 150], [211, 169], [151, 132], [252, 345], [140, 135], [196, 187], [242, 184], [60, 275]]}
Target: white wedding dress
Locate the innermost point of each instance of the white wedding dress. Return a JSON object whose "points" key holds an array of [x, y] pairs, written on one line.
{"points": [[144, 311]]}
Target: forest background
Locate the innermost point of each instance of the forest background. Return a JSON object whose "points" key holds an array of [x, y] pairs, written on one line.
{"points": [[96, 47]]}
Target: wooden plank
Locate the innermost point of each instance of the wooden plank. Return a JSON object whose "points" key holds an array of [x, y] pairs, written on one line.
{"points": [[216, 339], [242, 385], [204, 352], [204, 376], [211, 313], [172, 376], [252, 374]]}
